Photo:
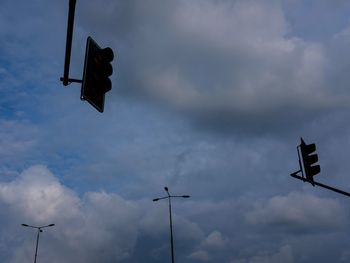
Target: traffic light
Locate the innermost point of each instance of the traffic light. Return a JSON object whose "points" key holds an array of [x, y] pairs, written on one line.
{"points": [[97, 69], [309, 158]]}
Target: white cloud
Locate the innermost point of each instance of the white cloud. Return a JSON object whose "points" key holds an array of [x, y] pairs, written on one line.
{"points": [[214, 240], [99, 226], [209, 247], [38, 195], [284, 254], [298, 210], [200, 255], [96, 227]]}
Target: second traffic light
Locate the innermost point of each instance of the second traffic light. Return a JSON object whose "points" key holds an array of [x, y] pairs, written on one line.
{"points": [[97, 69], [309, 158]]}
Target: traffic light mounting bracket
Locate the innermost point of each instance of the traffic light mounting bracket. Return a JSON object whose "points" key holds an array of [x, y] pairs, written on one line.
{"points": [[302, 177], [300, 165], [320, 184]]}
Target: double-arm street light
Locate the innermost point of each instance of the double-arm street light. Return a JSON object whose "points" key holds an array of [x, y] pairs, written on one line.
{"points": [[39, 228], [169, 196]]}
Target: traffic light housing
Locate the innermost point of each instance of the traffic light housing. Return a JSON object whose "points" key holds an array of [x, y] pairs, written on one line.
{"points": [[97, 69], [309, 158]]}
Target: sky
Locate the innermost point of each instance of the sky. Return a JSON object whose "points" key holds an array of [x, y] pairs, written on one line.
{"points": [[210, 98]]}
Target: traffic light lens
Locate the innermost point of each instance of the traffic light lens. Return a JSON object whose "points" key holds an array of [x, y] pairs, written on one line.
{"points": [[105, 70], [310, 148], [313, 158], [107, 54], [313, 170]]}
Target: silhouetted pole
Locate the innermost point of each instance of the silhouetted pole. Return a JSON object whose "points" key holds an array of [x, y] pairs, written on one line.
{"points": [[70, 25], [39, 228], [171, 232], [321, 185], [170, 218], [36, 247]]}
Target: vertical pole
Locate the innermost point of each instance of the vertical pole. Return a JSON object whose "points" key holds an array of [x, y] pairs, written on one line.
{"points": [[71, 13], [171, 233], [37, 243]]}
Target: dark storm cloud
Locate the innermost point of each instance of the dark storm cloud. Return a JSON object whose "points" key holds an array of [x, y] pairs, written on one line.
{"points": [[225, 65]]}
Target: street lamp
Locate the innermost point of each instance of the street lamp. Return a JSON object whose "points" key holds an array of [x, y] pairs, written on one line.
{"points": [[169, 196], [39, 228]]}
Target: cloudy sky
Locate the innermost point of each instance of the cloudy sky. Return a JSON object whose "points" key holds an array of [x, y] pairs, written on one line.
{"points": [[209, 98]]}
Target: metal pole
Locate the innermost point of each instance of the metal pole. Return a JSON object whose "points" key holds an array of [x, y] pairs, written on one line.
{"points": [[321, 185], [37, 237], [37, 243], [170, 219], [171, 233], [70, 25]]}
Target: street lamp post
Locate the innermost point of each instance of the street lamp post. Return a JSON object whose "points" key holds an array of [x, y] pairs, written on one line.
{"points": [[39, 228], [169, 196]]}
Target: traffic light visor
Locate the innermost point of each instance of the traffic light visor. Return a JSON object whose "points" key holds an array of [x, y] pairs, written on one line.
{"points": [[107, 54], [313, 170], [313, 158], [309, 148]]}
